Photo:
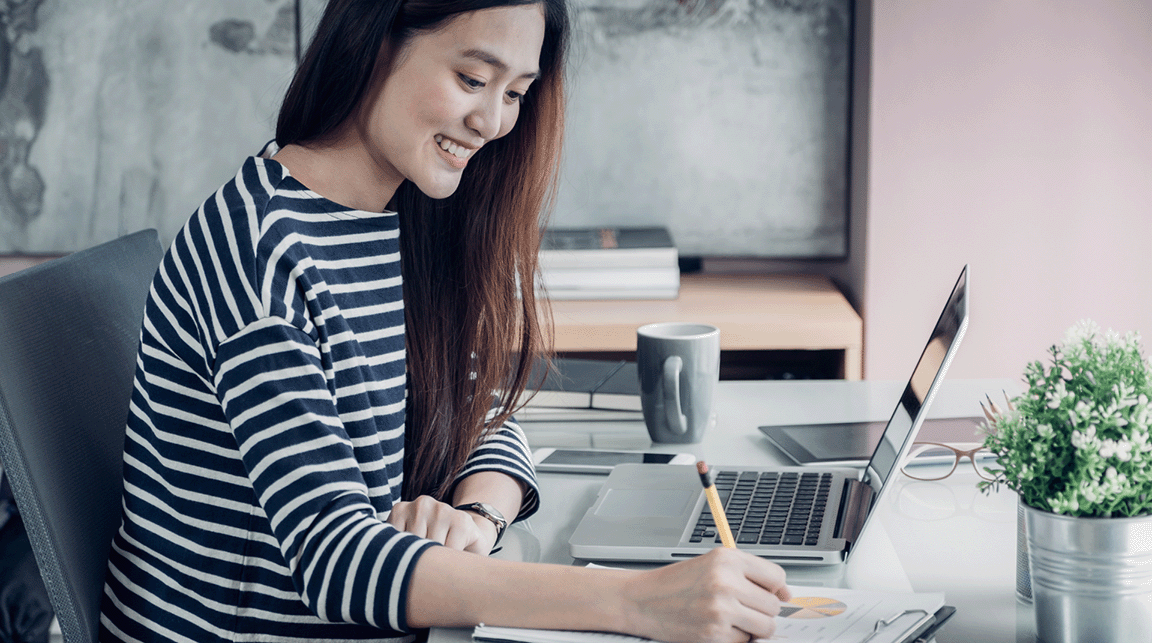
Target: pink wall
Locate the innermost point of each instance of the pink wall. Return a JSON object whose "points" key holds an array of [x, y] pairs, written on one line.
{"points": [[1016, 137], [9, 265]]}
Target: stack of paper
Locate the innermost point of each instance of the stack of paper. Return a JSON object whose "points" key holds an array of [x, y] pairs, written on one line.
{"points": [[609, 263]]}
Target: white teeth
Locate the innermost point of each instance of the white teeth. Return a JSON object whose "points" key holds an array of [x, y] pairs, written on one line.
{"points": [[452, 148]]}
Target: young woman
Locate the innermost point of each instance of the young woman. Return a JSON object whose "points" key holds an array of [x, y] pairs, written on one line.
{"points": [[314, 451]]}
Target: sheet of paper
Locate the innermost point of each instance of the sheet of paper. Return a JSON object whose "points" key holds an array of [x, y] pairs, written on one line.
{"points": [[827, 614], [814, 615]]}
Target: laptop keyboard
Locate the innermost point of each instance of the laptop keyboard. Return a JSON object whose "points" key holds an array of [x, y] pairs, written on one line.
{"points": [[768, 507]]}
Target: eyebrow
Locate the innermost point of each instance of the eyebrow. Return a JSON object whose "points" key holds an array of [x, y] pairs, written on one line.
{"points": [[491, 59]]}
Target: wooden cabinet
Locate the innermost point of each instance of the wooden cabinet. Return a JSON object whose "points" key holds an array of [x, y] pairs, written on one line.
{"points": [[770, 325]]}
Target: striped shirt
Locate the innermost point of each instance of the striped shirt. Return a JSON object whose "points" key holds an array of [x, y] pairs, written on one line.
{"points": [[265, 440]]}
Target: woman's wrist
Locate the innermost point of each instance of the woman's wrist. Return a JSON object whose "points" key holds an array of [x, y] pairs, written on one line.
{"points": [[631, 611], [487, 530], [627, 612], [497, 489]]}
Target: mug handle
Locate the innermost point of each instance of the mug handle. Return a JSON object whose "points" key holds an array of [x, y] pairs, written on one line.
{"points": [[677, 422]]}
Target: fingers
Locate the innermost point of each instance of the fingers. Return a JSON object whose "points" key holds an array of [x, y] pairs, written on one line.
{"points": [[724, 596], [759, 590], [429, 518], [758, 598], [770, 577], [754, 624], [784, 594], [760, 594], [759, 609]]}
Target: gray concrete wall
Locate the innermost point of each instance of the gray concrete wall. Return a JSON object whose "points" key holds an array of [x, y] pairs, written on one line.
{"points": [[117, 115], [724, 119]]}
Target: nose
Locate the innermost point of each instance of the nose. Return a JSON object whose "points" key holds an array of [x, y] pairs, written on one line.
{"points": [[485, 118]]}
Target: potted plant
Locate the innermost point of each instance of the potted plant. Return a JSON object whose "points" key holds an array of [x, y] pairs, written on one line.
{"points": [[1075, 446]]}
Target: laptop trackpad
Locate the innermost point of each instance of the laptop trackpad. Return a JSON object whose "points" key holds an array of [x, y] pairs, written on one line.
{"points": [[645, 502]]}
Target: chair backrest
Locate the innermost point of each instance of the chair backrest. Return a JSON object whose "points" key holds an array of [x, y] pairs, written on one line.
{"points": [[69, 331]]}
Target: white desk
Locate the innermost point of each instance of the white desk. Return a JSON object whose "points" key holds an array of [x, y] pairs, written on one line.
{"points": [[932, 536]]}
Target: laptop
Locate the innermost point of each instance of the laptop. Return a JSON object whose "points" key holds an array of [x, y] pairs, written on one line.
{"points": [[792, 515]]}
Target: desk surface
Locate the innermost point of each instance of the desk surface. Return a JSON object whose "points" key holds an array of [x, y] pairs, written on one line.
{"points": [[932, 536], [753, 312]]}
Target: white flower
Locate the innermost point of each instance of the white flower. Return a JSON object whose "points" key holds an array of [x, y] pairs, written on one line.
{"points": [[1071, 505], [1085, 440], [1107, 449], [1090, 492], [1124, 451], [1081, 412], [1082, 330], [1111, 338]]}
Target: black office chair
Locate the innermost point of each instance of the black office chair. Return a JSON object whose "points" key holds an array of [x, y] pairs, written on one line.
{"points": [[69, 331]]}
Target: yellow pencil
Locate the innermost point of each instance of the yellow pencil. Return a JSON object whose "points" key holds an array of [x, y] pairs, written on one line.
{"points": [[714, 504]]}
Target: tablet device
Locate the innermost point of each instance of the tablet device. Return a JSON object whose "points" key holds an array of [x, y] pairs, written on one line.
{"points": [[852, 443]]}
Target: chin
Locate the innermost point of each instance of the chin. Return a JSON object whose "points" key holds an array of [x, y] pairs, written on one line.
{"points": [[438, 189]]}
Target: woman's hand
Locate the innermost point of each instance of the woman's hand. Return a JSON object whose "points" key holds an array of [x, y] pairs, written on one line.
{"points": [[724, 596], [429, 518]]}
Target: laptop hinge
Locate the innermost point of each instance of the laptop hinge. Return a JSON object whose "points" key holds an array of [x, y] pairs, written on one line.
{"points": [[857, 500]]}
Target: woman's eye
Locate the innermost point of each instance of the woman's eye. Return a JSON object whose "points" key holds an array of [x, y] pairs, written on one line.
{"points": [[515, 97], [472, 83]]}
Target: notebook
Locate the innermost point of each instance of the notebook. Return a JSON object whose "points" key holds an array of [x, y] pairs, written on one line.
{"points": [[792, 515]]}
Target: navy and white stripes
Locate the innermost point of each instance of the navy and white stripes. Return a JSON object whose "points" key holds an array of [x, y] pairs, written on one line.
{"points": [[265, 441]]}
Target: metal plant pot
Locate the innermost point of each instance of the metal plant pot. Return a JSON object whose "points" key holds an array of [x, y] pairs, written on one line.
{"points": [[1091, 577]]}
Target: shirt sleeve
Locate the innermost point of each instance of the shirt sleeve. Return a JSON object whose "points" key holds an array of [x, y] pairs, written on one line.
{"points": [[505, 449], [347, 563]]}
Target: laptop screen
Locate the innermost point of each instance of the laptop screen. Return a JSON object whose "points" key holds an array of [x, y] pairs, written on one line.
{"points": [[929, 369]]}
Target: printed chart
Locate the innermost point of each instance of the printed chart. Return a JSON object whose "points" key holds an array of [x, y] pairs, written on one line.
{"points": [[806, 607], [833, 615]]}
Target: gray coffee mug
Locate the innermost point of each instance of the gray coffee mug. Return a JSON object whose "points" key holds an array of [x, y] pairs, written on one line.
{"points": [[679, 366]]}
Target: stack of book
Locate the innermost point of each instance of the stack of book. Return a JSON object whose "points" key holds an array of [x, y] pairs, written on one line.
{"points": [[582, 389], [609, 263]]}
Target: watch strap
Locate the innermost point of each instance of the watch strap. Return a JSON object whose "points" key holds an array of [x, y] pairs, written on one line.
{"points": [[492, 514]]}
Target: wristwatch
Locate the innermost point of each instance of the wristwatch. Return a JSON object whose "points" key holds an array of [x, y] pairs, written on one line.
{"points": [[487, 511]]}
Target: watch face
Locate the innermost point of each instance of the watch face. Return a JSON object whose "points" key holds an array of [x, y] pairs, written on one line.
{"points": [[493, 511], [488, 511]]}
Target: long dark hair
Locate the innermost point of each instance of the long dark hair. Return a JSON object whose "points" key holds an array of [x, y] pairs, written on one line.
{"points": [[469, 261]]}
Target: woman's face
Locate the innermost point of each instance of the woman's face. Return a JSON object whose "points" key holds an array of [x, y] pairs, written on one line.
{"points": [[451, 91]]}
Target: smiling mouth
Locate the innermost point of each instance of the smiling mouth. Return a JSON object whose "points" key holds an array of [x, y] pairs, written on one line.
{"points": [[453, 148]]}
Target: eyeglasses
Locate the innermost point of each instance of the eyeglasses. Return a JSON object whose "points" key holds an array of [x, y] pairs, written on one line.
{"points": [[938, 450]]}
